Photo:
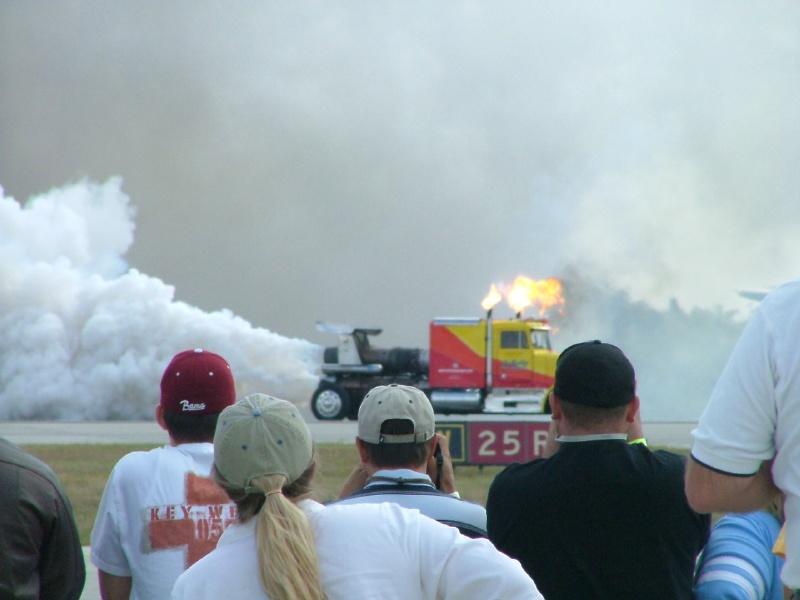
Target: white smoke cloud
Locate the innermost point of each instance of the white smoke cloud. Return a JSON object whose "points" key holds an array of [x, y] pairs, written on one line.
{"points": [[82, 337]]}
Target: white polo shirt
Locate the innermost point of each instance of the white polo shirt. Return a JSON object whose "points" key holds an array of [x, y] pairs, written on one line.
{"points": [[754, 411], [370, 552]]}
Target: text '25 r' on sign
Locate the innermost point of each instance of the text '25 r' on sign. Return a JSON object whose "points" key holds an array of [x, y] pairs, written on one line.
{"points": [[494, 442]]}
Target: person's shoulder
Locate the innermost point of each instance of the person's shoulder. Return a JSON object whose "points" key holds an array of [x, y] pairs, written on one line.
{"points": [[760, 520], [138, 457], [665, 457], [461, 504], [137, 463], [346, 509], [367, 512], [785, 292], [457, 500], [779, 308], [516, 471], [663, 465], [380, 521], [40, 479], [14, 456], [226, 564]]}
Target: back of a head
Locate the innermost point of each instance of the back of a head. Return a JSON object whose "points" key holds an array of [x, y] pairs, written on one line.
{"points": [[262, 445], [261, 435], [195, 387], [395, 422], [595, 378]]}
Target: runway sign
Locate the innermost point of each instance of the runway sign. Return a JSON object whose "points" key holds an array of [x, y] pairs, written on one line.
{"points": [[494, 442]]}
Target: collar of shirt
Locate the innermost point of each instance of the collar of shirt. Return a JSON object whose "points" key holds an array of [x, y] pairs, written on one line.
{"points": [[592, 437], [408, 477]]}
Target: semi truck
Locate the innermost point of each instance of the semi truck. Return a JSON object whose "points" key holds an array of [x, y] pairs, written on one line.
{"points": [[471, 365]]}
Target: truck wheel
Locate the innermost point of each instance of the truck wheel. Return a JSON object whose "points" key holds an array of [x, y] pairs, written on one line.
{"points": [[330, 402]]}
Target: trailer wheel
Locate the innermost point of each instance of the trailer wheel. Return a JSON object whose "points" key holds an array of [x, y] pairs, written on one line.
{"points": [[330, 402]]}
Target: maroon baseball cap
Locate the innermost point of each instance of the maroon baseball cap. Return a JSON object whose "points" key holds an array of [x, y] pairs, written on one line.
{"points": [[197, 382]]}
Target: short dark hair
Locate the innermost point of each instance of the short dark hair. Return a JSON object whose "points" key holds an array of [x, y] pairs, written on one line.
{"points": [[585, 416], [387, 456], [191, 428]]}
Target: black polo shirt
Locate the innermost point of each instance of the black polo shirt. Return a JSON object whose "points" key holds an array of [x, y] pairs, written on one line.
{"points": [[599, 519]]}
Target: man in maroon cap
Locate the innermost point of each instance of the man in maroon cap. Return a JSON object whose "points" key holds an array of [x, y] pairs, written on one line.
{"points": [[161, 512]]}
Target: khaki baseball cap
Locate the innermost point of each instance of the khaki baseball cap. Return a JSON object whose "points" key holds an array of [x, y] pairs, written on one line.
{"points": [[261, 435], [395, 402]]}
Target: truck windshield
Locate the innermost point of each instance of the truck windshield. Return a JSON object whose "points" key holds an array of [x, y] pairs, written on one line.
{"points": [[540, 339]]}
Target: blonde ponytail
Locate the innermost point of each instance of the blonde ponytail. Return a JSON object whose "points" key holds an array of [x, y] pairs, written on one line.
{"points": [[287, 556]]}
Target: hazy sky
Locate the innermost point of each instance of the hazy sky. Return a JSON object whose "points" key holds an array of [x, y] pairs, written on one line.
{"points": [[385, 163]]}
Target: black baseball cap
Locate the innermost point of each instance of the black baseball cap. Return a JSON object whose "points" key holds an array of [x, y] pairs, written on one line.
{"points": [[595, 374]]}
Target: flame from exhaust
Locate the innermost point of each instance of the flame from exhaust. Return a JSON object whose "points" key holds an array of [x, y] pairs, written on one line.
{"points": [[492, 298], [525, 292]]}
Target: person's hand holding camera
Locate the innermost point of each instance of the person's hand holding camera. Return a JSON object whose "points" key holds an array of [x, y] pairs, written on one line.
{"points": [[440, 466]]}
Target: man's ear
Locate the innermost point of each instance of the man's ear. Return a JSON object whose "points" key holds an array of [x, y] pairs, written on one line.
{"points": [[555, 407], [633, 408], [362, 450], [160, 417]]}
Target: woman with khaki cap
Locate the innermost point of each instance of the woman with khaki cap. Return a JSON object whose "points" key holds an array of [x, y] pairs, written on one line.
{"points": [[286, 546]]}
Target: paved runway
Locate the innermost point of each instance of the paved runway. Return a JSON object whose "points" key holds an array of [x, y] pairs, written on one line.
{"points": [[675, 435], [132, 432]]}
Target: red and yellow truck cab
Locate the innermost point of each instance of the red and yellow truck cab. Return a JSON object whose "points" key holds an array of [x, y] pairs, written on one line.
{"points": [[490, 365]]}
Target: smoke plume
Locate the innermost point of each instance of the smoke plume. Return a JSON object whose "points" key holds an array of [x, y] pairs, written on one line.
{"points": [[677, 353], [83, 337]]}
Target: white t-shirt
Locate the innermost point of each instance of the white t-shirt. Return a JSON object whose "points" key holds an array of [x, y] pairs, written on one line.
{"points": [[369, 552], [754, 410], [160, 513]]}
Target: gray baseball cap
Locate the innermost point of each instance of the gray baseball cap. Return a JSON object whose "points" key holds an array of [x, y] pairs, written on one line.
{"points": [[261, 435], [395, 402]]}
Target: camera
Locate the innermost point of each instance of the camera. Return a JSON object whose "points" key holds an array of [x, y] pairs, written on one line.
{"points": [[437, 454]]}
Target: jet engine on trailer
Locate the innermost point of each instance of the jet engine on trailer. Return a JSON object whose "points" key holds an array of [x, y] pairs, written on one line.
{"points": [[354, 367], [472, 366]]}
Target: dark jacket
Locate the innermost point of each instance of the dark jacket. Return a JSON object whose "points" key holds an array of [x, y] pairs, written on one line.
{"points": [[40, 552]]}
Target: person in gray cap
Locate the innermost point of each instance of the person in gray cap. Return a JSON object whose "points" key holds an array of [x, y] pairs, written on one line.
{"points": [[602, 516], [397, 443], [286, 546]]}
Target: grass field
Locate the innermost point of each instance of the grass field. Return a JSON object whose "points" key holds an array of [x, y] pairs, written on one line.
{"points": [[83, 471]]}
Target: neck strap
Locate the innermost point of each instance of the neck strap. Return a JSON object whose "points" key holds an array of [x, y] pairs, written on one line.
{"points": [[400, 480]]}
